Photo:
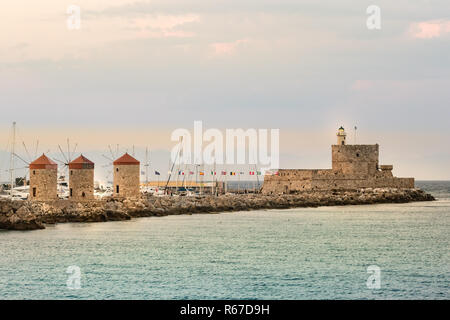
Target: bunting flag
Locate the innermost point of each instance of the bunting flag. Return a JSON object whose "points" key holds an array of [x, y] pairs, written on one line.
{"points": [[213, 173], [157, 173], [202, 173], [232, 173], [258, 173], [191, 173], [252, 173], [241, 172], [224, 173]]}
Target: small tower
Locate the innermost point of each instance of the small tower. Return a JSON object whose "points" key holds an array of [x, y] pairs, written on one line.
{"points": [[43, 179], [341, 135], [81, 179], [126, 177]]}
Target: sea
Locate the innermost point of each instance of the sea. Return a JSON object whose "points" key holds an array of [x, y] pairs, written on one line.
{"points": [[383, 251]]}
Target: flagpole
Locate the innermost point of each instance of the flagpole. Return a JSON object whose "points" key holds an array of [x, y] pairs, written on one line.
{"points": [[226, 181], [173, 165], [239, 181], [214, 178]]}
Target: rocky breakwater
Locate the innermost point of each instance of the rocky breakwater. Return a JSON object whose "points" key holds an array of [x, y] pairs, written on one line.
{"points": [[26, 215]]}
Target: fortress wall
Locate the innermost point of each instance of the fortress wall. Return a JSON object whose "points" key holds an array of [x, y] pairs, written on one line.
{"points": [[285, 186], [329, 180], [353, 167], [348, 184], [288, 180], [294, 173], [359, 159], [402, 183]]}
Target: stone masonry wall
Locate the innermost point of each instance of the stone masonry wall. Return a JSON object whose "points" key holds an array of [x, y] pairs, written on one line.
{"points": [[81, 181], [353, 167], [45, 181], [355, 159], [127, 177]]}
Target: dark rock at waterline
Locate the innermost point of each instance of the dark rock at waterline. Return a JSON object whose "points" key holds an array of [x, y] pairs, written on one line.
{"points": [[20, 219], [26, 215]]}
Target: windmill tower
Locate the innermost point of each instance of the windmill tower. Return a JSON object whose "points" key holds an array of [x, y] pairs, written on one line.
{"points": [[126, 177], [81, 179], [43, 179]]}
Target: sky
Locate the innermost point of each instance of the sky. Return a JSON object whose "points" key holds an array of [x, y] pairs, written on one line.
{"points": [[137, 70]]}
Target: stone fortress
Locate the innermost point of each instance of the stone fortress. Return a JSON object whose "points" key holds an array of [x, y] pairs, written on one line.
{"points": [[44, 178], [353, 167]]}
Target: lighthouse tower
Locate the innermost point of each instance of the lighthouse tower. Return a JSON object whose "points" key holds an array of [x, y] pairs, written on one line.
{"points": [[341, 135], [43, 179], [81, 179], [126, 177]]}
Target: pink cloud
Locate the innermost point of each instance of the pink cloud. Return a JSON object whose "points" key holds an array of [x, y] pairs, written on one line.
{"points": [[430, 29], [161, 26], [227, 48]]}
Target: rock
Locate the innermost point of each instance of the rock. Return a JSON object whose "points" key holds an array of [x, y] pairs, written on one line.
{"points": [[22, 219], [25, 215]]}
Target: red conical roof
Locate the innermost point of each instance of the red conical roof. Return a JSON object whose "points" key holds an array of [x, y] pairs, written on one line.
{"points": [[43, 162], [81, 163], [126, 159]]}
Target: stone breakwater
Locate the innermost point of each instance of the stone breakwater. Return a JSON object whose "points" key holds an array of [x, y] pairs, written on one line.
{"points": [[27, 215]]}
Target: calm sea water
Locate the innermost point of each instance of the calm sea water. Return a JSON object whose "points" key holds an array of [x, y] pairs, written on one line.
{"points": [[320, 253]]}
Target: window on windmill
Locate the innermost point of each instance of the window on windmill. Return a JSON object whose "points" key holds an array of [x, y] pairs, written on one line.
{"points": [[117, 169], [357, 155]]}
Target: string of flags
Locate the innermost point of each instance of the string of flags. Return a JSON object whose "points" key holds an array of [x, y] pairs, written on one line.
{"points": [[223, 173], [214, 173]]}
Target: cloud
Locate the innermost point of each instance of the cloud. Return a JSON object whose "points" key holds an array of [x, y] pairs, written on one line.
{"points": [[227, 48], [430, 29], [164, 22], [160, 26]]}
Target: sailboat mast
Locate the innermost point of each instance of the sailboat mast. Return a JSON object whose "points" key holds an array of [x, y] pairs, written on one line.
{"points": [[13, 146], [146, 166]]}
